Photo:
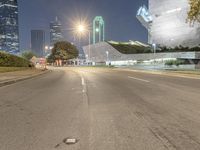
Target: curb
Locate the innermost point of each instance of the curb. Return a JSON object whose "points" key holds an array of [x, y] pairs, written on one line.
{"points": [[22, 79]]}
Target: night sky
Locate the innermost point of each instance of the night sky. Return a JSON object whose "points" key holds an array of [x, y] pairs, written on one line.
{"points": [[119, 15]]}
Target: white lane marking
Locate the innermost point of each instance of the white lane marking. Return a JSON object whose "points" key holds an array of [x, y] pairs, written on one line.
{"points": [[83, 81], [84, 90], [138, 79]]}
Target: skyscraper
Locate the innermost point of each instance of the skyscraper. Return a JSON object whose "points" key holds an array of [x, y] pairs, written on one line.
{"points": [[56, 34], [98, 29], [38, 42], [9, 29], [166, 23]]}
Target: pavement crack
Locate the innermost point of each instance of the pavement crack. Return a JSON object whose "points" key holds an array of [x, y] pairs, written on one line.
{"points": [[56, 146], [164, 139]]}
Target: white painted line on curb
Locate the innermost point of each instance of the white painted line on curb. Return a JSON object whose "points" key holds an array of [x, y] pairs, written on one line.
{"points": [[138, 79]]}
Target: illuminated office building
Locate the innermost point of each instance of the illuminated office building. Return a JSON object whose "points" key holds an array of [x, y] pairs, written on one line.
{"points": [[9, 32], [38, 42], [56, 34], [98, 29]]}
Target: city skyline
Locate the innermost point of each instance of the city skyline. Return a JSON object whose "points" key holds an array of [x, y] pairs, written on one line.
{"points": [[100, 75], [123, 28]]}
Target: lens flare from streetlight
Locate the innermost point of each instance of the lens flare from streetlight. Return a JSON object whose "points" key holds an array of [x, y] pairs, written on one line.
{"points": [[46, 47], [81, 28], [97, 29]]}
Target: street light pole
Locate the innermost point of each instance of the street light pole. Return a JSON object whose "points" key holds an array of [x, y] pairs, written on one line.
{"points": [[89, 45], [81, 29], [107, 54], [154, 52]]}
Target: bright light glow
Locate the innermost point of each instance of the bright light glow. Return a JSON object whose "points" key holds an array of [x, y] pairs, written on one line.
{"points": [[97, 29], [81, 28], [46, 47]]}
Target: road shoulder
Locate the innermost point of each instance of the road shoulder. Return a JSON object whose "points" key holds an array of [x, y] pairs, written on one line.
{"points": [[17, 76]]}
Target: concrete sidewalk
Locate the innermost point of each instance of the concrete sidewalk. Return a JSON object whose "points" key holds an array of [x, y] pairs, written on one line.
{"points": [[13, 77]]}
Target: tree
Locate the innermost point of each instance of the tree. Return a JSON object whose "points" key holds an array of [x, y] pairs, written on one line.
{"points": [[194, 12], [50, 59], [28, 55], [63, 51]]}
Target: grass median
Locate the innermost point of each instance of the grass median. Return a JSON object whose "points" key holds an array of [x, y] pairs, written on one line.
{"points": [[12, 69], [194, 72]]}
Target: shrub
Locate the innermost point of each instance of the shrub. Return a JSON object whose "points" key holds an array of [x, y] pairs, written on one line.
{"points": [[169, 63], [8, 60], [179, 48], [174, 62], [131, 49], [136, 49]]}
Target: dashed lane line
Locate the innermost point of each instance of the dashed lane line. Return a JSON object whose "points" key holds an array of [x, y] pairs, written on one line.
{"points": [[139, 79]]}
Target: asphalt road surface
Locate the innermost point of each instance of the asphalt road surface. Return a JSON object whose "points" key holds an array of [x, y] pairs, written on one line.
{"points": [[103, 109]]}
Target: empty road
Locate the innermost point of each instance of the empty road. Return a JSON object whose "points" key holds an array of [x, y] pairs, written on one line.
{"points": [[103, 109]]}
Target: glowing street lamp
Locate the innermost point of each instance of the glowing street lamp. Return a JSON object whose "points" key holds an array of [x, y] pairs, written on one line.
{"points": [[81, 29], [97, 29], [46, 47]]}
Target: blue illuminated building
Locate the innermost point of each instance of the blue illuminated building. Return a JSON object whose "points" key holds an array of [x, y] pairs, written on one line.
{"points": [[144, 17]]}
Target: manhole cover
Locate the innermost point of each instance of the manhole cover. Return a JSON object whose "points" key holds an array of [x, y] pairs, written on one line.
{"points": [[70, 141]]}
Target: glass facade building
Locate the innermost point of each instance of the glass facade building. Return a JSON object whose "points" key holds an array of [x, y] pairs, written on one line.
{"points": [[169, 26], [38, 42], [9, 29], [98, 29], [56, 34], [144, 17]]}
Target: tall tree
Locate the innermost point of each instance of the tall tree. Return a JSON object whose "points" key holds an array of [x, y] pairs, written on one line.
{"points": [[64, 51], [194, 13]]}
